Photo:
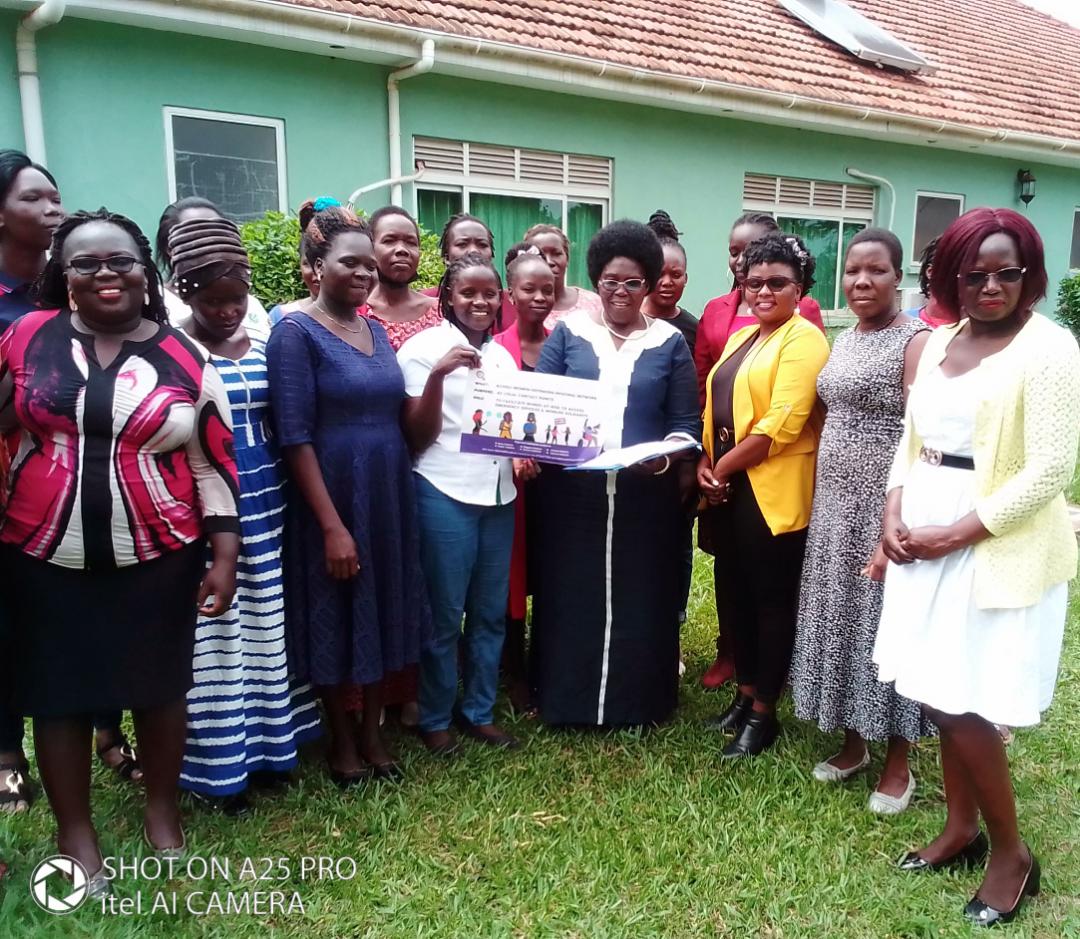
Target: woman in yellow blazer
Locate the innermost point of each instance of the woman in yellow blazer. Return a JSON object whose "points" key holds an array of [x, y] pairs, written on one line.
{"points": [[978, 536], [762, 422]]}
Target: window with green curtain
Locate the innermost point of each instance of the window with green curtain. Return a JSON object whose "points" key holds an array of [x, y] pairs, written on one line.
{"points": [[509, 217], [435, 206], [821, 237], [850, 230], [583, 220]]}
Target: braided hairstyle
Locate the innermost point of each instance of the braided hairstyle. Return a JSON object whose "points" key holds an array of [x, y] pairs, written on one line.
{"points": [[778, 248], [664, 229], [325, 226], [762, 219], [444, 238], [51, 289], [168, 219], [926, 261], [449, 278]]}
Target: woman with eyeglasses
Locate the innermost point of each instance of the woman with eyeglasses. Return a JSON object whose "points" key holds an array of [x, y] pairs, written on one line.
{"points": [[978, 536], [124, 470], [555, 247], [721, 318], [762, 421], [607, 552]]}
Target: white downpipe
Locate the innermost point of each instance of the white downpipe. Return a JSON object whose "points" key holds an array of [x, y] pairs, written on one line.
{"points": [[881, 181], [48, 13], [392, 181], [393, 107]]}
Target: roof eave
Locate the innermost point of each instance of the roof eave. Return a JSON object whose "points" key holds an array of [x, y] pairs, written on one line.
{"points": [[321, 32]]}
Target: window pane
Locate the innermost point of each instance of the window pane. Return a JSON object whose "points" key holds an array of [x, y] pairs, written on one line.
{"points": [[235, 166], [434, 208], [933, 214], [822, 239], [1074, 256], [583, 220], [508, 217]]}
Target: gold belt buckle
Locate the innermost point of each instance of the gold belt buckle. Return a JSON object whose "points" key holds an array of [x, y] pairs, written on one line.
{"points": [[931, 456]]}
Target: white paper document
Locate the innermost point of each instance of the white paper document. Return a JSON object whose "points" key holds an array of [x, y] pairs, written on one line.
{"points": [[622, 457]]}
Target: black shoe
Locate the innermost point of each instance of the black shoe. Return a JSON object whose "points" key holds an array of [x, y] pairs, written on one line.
{"points": [[233, 806], [732, 720], [981, 914], [756, 735], [970, 855], [348, 780]]}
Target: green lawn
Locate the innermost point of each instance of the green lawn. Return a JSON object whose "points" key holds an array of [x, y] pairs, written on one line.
{"points": [[600, 835]]}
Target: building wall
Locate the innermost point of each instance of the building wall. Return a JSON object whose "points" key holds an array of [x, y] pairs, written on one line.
{"points": [[104, 87]]}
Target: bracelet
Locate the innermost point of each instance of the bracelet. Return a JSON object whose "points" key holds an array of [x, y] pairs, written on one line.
{"points": [[667, 466]]}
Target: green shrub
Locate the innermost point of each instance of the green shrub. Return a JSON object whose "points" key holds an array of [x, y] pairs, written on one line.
{"points": [[1068, 308], [273, 243]]}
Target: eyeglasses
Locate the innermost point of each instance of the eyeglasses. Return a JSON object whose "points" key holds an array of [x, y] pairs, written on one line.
{"points": [[1007, 275], [118, 264], [633, 285], [775, 284]]}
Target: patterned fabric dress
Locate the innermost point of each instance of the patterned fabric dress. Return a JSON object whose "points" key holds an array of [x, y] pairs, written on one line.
{"points": [[244, 714], [834, 679]]}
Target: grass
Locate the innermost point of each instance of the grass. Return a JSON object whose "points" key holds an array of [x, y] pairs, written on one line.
{"points": [[599, 835]]}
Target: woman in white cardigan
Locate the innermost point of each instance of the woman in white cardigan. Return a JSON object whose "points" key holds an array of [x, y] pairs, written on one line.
{"points": [[977, 530]]}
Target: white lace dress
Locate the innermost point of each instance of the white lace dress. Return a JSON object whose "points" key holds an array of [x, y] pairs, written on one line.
{"points": [[933, 642]]}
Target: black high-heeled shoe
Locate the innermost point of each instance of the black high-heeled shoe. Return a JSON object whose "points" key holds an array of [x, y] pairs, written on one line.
{"points": [[970, 855], [731, 720], [757, 734], [982, 914]]}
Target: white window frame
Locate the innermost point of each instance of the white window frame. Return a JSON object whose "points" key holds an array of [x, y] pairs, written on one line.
{"points": [[841, 219], [227, 117], [913, 262], [534, 191]]}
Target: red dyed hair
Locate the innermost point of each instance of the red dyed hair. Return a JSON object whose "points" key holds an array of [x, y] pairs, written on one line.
{"points": [[958, 248]]}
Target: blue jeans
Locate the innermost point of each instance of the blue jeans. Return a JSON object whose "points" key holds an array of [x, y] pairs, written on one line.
{"points": [[465, 553]]}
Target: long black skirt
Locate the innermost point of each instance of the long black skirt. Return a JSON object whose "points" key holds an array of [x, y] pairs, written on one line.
{"points": [[606, 605], [83, 642]]}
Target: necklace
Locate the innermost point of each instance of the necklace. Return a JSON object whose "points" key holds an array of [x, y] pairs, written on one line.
{"points": [[892, 319], [629, 337], [336, 322]]}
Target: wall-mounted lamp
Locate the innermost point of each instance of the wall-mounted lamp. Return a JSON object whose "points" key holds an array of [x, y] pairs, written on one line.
{"points": [[1025, 186]]}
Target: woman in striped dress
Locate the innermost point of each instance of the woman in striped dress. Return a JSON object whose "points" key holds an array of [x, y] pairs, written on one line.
{"points": [[245, 718]]}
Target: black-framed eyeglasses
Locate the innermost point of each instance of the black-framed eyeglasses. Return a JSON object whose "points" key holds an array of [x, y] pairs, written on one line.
{"points": [[775, 284], [117, 263], [633, 285], [1007, 275]]}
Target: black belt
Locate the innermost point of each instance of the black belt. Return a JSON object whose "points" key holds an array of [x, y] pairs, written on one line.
{"points": [[937, 458]]}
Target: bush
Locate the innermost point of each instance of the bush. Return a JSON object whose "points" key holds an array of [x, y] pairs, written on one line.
{"points": [[273, 244], [1068, 308]]}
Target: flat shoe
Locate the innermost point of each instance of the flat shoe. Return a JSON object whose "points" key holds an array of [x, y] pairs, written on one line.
{"points": [[826, 772], [447, 750], [176, 852], [348, 780], [499, 739], [731, 720], [756, 736], [881, 804], [970, 855]]}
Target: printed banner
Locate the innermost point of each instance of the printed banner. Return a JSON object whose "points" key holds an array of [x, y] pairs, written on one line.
{"points": [[529, 415]]}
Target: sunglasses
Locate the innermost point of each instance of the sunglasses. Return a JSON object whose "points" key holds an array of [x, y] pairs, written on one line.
{"points": [[775, 284], [1007, 275], [633, 285], [118, 264]]}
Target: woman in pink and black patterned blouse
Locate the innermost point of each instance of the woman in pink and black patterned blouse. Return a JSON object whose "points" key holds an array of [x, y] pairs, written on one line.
{"points": [[124, 469]]}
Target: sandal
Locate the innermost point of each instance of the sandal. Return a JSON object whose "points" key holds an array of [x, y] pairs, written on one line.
{"points": [[16, 792], [129, 759]]}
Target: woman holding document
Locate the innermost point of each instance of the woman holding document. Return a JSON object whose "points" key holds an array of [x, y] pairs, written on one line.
{"points": [[606, 598]]}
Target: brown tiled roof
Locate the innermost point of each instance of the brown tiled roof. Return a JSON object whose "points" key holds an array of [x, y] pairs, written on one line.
{"points": [[1001, 65]]}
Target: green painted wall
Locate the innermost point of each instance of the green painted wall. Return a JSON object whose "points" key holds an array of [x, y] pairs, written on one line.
{"points": [[104, 87], [10, 114]]}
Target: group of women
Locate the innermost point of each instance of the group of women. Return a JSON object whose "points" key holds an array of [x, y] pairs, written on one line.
{"points": [[220, 518]]}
